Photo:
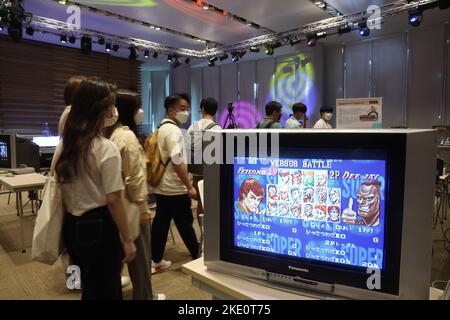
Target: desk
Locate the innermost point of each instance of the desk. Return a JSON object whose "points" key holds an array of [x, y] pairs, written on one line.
{"points": [[19, 184], [228, 287]]}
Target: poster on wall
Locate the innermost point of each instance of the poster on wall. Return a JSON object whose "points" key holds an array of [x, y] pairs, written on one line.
{"points": [[359, 113]]}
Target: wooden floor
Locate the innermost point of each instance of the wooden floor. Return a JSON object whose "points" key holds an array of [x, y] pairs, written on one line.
{"points": [[20, 278]]}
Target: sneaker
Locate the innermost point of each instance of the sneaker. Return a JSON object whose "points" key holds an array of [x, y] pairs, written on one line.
{"points": [[125, 281], [159, 296], [160, 266]]}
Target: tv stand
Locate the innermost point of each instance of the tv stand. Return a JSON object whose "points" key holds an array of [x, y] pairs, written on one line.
{"points": [[227, 287]]}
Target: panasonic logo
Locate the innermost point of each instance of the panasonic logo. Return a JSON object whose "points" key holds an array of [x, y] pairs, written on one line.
{"points": [[298, 269]]}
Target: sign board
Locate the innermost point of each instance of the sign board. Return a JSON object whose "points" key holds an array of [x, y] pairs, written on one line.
{"points": [[359, 113]]}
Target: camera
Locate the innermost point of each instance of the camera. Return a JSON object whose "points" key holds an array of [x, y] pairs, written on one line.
{"points": [[230, 106]]}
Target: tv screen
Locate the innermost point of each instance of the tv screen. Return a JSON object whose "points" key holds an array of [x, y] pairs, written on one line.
{"points": [[5, 151], [329, 209]]}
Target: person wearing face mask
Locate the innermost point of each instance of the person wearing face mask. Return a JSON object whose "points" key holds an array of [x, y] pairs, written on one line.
{"points": [[175, 190], [326, 114], [124, 134], [95, 230], [273, 116]]}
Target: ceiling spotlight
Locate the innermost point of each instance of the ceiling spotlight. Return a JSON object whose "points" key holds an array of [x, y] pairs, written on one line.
{"points": [[235, 56], [269, 50], [242, 53], [115, 47], [311, 40], [223, 57], [321, 35], [155, 55], [342, 30], [363, 30], [30, 31], [205, 6], [63, 38], [62, 1], [415, 17], [321, 4], [134, 53], [254, 49], [101, 41], [157, 28], [86, 44], [295, 41], [211, 63], [72, 39], [176, 63], [108, 47], [146, 54], [169, 58], [187, 60], [213, 59]]}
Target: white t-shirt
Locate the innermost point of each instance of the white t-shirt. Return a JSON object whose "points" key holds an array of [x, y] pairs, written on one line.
{"points": [[322, 124], [293, 123], [202, 124], [171, 146], [88, 190]]}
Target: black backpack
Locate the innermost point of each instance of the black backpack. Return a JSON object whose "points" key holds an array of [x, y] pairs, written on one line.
{"points": [[196, 137]]}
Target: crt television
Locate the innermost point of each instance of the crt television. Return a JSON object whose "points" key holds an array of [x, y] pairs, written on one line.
{"points": [[343, 213]]}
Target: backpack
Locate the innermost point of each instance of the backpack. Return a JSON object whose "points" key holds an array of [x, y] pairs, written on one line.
{"points": [[267, 126], [196, 137], [155, 166]]}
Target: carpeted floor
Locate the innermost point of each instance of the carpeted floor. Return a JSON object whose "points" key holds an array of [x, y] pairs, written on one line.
{"points": [[20, 278]]}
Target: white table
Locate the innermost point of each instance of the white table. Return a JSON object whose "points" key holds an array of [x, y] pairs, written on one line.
{"points": [[21, 183], [228, 287]]}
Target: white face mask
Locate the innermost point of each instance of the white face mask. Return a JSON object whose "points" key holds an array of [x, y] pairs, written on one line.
{"points": [[109, 122], [327, 116], [139, 116], [182, 116]]}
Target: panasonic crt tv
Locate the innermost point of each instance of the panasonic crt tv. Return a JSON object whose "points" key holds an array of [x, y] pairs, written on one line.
{"points": [[343, 213]]}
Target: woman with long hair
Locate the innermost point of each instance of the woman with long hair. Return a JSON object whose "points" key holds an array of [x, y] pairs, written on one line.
{"points": [[134, 173], [88, 168]]}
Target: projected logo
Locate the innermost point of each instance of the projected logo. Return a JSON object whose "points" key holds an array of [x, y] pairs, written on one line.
{"points": [[293, 82]]}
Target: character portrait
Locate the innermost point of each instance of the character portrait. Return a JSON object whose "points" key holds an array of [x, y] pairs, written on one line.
{"points": [[368, 200], [272, 192], [308, 195], [284, 209], [308, 178], [334, 197], [296, 177], [296, 210], [321, 195], [296, 194], [334, 213], [251, 193], [284, 194], [320, 212], [308, 213], [272, 208], [321, 178], [285, 177]]}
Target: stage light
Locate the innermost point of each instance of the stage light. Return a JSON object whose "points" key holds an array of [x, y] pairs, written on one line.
{"points": [[321, 35], [187, 60], [30, 31], [72, 39], [101, 41], [169, 58], [115, 47], [63, 38], [235, 56], [254, 49], [86, 44], [293, 42], [363, 30], [176, 63], [146, 54], [213, 59], [108, 47], [242, 53], [342, 30], [415, 17], [155, 55], [269, 50], [223, 57], [211, 63], [311, 40], [134, 53]]}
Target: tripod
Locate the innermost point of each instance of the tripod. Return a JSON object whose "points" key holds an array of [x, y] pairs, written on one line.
{"points": [[230, 120]]}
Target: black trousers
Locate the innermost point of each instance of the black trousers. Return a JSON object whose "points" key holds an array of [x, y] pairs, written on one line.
{"points": [[94, 244], [178, 208]]}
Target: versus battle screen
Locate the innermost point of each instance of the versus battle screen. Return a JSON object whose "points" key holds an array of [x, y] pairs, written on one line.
{"points": [[320, 209]]}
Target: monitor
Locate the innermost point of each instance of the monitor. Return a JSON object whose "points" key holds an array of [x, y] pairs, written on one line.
{"points": [[340, 212], [16, 150]]}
